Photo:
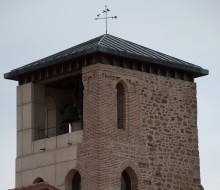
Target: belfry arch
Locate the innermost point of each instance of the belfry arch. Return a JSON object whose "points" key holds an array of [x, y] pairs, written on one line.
{"points": [[129, 179], [73, 180]]}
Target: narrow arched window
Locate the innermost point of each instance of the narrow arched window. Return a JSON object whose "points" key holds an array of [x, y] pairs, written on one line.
{"points": [[120, 106], [125, 181], [76, 182], [129, 180]]}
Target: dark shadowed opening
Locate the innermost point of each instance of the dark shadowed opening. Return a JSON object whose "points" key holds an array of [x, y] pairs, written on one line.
{"points": [[76, 183], [73, 180], [125, 181], [129, 179], [120, 106]]}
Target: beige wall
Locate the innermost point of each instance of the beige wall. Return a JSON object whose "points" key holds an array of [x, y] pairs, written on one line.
{"points": [[49, 158]]}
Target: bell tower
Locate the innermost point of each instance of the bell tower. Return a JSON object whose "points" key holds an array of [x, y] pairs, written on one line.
{"points": [[108, 114]]}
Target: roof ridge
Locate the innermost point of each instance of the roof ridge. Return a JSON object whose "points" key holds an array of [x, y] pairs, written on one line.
{"points": [[101, 39]]}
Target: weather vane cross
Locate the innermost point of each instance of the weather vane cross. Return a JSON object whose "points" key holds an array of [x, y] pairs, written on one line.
{"points": [[106, 17]]}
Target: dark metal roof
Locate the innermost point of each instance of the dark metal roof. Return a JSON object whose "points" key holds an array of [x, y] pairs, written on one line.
{"points": [[111, 45]]}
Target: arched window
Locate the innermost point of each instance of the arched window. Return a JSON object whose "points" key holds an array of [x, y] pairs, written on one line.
{"points": [[125, 181], [128, 180], [38, 180], [76, 182], [73, 181], [121, 112]]}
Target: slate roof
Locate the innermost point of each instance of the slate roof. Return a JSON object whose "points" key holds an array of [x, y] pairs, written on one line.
{"points": [[111, 45]]}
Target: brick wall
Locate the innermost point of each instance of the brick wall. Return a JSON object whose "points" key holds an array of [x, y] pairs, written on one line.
{"points": [[159, 142]]}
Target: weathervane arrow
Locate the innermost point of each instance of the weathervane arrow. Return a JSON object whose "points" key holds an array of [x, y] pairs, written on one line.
{"points": [[106, 17]]}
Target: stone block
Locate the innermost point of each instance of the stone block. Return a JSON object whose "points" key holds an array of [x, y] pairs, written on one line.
{"points": [[19, 95], [51, 143], [27, 93], [62, 140], [66, 154], [19, 118], [27, 115], [28, 162], [18, 181], [47, 143], [18, 164], [27, 142], [19, 144], [38, 160], [27, 177], [62, 170], [76, 137], [38, 145], [44, 158]]}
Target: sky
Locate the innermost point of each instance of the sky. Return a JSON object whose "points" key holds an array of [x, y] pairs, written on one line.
{"points": [[189, 30]]}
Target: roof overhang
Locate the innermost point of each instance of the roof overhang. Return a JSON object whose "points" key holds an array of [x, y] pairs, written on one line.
{"points": [[14, 74]]}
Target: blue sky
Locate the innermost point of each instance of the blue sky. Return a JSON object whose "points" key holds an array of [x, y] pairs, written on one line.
{"points": [[188, 30]]}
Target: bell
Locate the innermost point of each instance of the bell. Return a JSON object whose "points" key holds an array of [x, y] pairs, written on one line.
{"points": [[70, 114]]}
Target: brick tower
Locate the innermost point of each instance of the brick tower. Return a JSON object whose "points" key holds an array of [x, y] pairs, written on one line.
{"points": [[108, 114]]}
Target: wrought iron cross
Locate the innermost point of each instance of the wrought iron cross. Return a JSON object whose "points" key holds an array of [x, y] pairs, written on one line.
{"points": [[106, 17]]}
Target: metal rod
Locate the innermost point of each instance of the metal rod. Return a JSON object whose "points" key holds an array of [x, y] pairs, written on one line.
{"points": [[106, 18]]}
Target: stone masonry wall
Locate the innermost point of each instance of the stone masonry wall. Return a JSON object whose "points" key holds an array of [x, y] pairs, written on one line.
{"points": [[159, 142]]}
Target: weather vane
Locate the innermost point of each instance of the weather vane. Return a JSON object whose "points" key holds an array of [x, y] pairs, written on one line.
{"points": [[106, 17]]}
